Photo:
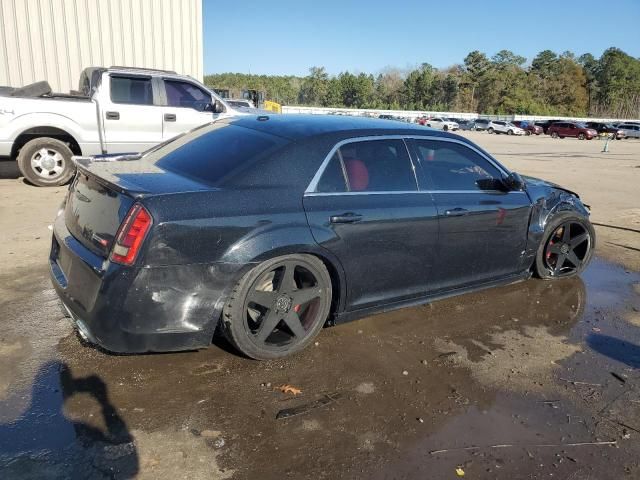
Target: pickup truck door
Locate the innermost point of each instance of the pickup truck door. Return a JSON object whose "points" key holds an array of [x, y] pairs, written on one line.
{"points": [[131, 114], [187, 106]]}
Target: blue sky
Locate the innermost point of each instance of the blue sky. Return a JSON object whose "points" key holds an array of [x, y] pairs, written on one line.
{"points": [[289, 37]]}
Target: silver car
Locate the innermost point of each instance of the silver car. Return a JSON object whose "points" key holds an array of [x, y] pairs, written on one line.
{"points": [[630, 130]]}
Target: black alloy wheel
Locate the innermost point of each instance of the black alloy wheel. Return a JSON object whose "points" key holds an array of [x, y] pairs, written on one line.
{"points": [[278, 307], [566, 250]]}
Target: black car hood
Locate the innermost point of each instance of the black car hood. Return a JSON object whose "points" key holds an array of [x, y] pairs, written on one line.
{"points": [[538, 182]]}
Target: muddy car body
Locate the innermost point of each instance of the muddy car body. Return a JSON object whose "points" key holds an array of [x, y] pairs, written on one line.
{"points": [[269, 227]]}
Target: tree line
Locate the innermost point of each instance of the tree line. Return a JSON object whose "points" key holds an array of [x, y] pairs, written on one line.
{"points": [[552, 84]]}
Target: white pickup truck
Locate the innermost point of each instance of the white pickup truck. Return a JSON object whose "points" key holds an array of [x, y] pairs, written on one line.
{"points": [[116, 110]]}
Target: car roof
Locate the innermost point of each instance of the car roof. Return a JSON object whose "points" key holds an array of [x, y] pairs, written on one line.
{"points": [[299, 126]]}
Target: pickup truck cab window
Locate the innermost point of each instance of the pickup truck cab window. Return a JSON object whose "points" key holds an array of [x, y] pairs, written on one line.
{"points": [[185, 94], [133, 90]]}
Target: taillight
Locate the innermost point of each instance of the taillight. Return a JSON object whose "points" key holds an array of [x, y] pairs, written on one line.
{"points": [[131, 234]]}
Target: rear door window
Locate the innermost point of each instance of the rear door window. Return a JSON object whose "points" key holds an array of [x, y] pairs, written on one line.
{"points": [[131, 90], [369, 166], [450, 166]]}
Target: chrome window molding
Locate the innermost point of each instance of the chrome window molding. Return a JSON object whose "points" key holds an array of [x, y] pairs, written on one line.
{"points": [[420, 192], [311, 189]]}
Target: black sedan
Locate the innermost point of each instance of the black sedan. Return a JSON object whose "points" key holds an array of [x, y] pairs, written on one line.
{"points": [[268, 228]]}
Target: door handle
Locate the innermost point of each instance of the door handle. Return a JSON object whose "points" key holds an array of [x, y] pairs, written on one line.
{"points": [[113, 115], [169, 117], [348, 217], [456, 212]]}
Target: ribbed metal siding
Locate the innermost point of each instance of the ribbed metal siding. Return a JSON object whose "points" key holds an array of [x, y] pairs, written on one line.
{"points": [[54, 40]]}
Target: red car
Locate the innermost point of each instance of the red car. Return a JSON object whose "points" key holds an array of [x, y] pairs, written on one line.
{"points": [[528, 127], [571, 129]]}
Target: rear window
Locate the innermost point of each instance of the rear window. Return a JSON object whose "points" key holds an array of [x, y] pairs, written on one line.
{"points": [[216, 154], [131, 90]]}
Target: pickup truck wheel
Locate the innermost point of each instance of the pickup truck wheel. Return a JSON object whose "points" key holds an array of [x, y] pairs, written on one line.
{"points": [[46, 162]]}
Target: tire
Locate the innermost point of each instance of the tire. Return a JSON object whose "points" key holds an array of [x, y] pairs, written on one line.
{"points": [[445, 128], [527, 133], [581, 136], [554, 135], [46, 162], [266, 298], [490, 130], [509, 132], [543, 264]]}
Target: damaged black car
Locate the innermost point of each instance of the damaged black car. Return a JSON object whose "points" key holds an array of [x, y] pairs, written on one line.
{"points": [[267, 228]]}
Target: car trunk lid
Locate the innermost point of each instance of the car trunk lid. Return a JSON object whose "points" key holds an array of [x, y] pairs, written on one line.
{"points": [[105, 189]]}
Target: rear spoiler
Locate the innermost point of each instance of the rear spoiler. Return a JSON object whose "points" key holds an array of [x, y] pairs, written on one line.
{"points": [[84, 165]]}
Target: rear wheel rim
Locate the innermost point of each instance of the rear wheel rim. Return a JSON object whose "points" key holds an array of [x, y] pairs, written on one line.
{"points": [[47, 163], [567, 249], [284, 305]]}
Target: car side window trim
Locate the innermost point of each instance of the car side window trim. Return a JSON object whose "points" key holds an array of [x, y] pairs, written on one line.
{"points": [[313, 185], [311, 188]]}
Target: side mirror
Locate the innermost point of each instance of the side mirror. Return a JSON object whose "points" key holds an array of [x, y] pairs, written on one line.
{"points": [[215, 107], [218, 107], [515, 182]]}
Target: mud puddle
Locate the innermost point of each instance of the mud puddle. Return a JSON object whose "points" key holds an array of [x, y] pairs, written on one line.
{"points": [[527, 364]]}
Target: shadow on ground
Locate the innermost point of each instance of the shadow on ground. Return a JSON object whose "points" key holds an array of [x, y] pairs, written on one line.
{"points": [[44, 442]]}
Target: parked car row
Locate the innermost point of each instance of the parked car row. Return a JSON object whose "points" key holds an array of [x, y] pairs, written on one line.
{"points": [[555, 128], [589, 130]]}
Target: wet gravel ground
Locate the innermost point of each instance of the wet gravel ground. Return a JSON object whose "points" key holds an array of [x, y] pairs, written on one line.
{"points": [[532, 380]]}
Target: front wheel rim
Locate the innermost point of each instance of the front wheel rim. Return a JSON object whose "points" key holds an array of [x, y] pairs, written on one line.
{"points": [[567, 249], [284, 305], [47, 163]]}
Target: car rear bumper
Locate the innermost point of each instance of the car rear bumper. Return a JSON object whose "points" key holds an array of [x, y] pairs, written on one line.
{"points": [[141, 309]]}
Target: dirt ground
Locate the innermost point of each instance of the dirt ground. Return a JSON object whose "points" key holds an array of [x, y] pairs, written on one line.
{"points": [[533, 380]]}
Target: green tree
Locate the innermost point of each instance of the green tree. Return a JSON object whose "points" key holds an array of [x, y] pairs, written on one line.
{"points": [[314, 87]]}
